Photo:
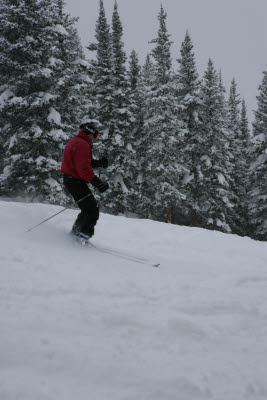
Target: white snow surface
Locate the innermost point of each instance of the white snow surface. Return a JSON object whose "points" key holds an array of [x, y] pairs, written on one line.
{"points": [[76, 323]]}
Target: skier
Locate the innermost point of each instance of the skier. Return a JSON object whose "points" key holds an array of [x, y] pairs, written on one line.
{"points": [[77, 167]]}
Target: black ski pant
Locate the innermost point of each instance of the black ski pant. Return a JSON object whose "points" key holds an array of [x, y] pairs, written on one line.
{"points": [[89, 214]]}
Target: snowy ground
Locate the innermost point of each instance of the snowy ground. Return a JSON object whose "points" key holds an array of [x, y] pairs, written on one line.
{"points": [[77, 324]]}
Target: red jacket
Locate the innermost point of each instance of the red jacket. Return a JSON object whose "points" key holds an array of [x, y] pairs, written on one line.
{"points": [[77, 158]]}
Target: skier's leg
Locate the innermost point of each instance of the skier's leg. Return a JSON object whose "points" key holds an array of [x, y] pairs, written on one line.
{"points": [[89, 214]]}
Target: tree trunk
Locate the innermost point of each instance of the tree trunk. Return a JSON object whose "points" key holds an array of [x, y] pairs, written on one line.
{"points": [[169, 213], [194, 218]]}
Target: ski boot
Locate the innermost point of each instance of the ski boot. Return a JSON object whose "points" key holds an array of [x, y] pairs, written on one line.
{"points": [[81, 237]]}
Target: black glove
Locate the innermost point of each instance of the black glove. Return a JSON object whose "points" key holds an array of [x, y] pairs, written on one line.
{"points": [[101, 186], [104, 162], [101, 163]]}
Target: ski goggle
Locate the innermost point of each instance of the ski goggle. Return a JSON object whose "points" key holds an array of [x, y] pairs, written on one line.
{"points": [[96, 135]]}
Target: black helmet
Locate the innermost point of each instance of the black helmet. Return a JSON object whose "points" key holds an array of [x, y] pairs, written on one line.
{"points": [[90, 127]]}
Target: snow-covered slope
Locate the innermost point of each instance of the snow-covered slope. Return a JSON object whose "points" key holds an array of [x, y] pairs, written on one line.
{"points": [[77, 324]]}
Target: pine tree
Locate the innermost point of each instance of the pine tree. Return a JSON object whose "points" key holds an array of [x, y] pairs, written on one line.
{"points": [[189, 99], [147, 73], [144, 86], [120, 138], [136, 104], [134, 70], [161, 51], [223, 102], [246, 160], [229, 155], [111, 91], [162, 168], [5, 94], [27, 35], [37, 118], [215, 182], [238, 145], [102, 73], [74, 82], [258, 170], [245, 131]]}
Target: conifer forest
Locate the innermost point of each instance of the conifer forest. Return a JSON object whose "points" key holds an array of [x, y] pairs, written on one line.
{"points": [[180, 147]]}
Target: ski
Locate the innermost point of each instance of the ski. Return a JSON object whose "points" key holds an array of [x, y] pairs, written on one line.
{"points": [[120, 254], [84, 241]]}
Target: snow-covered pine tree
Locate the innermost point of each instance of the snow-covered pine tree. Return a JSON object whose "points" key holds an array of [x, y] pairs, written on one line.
{"points": [[246, 162], [134, 70], [229, 156], [258, 170], [189, 99], [238, 147], [145, 81], [135, 94], [162, 50], [7, 67], [214, 184], [120, 138], [4, 96], [102, 74], [147, 73], [223, 101], [102, 95], [162, 164], [245, 131], [27, 48], [74, 84], [36, 117], [136, 103]]}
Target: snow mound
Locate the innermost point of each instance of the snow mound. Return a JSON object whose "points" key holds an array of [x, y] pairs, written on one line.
{"points": [[76, 323]]}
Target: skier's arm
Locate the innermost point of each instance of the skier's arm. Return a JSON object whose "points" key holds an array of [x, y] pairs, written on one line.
{"points": [[82, 163], [101, 163]]}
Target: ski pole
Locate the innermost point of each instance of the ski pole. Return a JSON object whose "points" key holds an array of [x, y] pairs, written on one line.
{"points": [[35, 226], [67, 208]]}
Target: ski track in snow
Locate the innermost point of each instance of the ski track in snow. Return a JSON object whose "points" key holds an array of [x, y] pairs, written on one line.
{"points": [[79, 324]]}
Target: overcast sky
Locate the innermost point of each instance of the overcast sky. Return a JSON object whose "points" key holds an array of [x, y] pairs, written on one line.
{"points": [[232, 32]]}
